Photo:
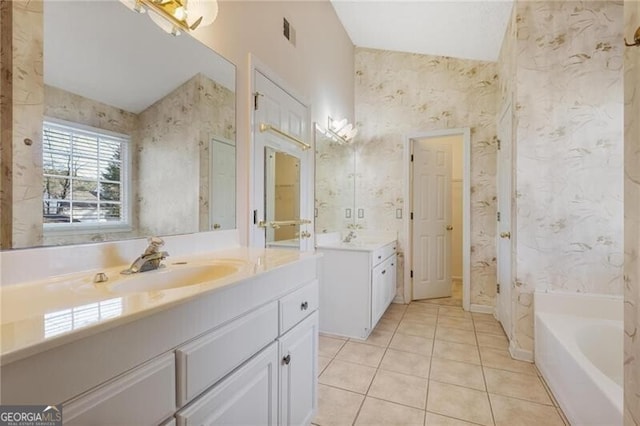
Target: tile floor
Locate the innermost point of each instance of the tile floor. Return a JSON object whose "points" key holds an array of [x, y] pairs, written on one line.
{"points": [[430, 363]]}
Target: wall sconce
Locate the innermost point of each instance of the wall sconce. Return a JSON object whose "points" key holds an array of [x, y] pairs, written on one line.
{"points": [[174, 16], [636, 39], [341, 130]]}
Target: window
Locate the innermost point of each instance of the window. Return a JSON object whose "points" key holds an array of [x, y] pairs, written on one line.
{"points": [[84, 177]]}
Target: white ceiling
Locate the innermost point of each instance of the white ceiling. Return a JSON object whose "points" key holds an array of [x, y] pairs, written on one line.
{"points": [[471, 29], [103, 51]]}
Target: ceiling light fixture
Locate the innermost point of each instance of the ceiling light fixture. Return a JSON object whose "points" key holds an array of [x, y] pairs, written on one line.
{"points": [[341, 130], [174, 16]]}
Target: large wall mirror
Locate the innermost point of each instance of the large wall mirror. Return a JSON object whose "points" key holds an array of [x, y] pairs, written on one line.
{"points": [[335, 184], [139, 128]]}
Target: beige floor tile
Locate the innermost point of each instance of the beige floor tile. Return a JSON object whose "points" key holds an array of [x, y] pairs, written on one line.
{"points": [[328, 346], [333, 336], [393, 315], [386, 324], [397, 307], [459, 402], [336, 406], [424, 308], [453, 311], [455, 322], [413, 328], [483, 317], [516, 385], [456, 352], [492, 341], [348, 376], [489, 328], [406, 363], [426, 318], [455, 335], [360, 353], [384, 413], [438, 420], [399, 388], [377, 338], [515, 412], [322, 363], [457, 373], [415, 344], [500, 359]]}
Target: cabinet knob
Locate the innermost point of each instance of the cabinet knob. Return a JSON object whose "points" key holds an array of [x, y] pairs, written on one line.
{"points": [[286, 360], [304, 306], [384, 272], [379, 257], [392, 264]]}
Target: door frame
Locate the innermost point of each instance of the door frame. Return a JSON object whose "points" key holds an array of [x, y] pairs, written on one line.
{"points": [[465, 132], [256, 65]]}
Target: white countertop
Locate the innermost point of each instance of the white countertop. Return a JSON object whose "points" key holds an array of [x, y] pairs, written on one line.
{"points": [[40, 315]]}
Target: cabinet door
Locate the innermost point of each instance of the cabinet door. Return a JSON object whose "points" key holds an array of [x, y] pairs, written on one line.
{"points": [[119, 402], [248, 396], [392, 278], [298, 373], [379, 293]]}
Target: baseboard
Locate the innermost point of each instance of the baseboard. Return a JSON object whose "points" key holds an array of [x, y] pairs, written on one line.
{"points": [[520, 354], [481, 309]]}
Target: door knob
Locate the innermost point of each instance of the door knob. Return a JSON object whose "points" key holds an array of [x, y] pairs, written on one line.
{"points": [[449, 228], [505, 234]]}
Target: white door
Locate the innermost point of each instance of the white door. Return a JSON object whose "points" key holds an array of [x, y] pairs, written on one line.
{"points": [[222, 198], [275, 107], [431, 194], [504, 178], [298, 373]]}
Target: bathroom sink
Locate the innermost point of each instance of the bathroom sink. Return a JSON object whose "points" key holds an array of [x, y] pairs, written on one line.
{"points": [[172, 276]]}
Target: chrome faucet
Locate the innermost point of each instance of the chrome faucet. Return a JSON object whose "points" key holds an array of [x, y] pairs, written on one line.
{"points": [[350, 237], [150, 260]]}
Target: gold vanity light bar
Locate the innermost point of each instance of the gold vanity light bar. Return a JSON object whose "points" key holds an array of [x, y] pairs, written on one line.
{"points": [[275, 224], [264, 127], [169, 9]]}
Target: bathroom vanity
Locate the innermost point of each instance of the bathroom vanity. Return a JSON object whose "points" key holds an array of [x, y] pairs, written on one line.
{"points": [[358, 284], [239, 348]]}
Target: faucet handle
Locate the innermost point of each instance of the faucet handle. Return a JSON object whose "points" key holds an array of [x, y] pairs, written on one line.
{"points": [[154, 244]]}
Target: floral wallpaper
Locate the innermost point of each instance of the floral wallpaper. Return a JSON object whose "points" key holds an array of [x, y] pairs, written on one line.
{"points": [[631, 218], [562, 66], [173, 155], [400, 93], [26, 87]]}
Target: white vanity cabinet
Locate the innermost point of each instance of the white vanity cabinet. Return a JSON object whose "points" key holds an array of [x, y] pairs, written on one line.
{"points": [[358, 284], [243, 355]]}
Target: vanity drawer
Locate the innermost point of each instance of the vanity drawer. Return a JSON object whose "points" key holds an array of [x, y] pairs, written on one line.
{"points": [[204, 361], [384, 252], [298, 305], [118, 402]]}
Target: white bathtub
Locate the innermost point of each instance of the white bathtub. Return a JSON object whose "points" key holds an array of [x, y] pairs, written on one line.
{"points": [[579, 351]]}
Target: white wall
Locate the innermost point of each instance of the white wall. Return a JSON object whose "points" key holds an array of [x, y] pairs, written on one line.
{"points": [[319, 68]]}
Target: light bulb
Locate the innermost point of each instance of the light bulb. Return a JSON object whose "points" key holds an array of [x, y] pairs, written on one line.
{"points": [[336, 125], [345, 130], [205, 9], [180, 13]]}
